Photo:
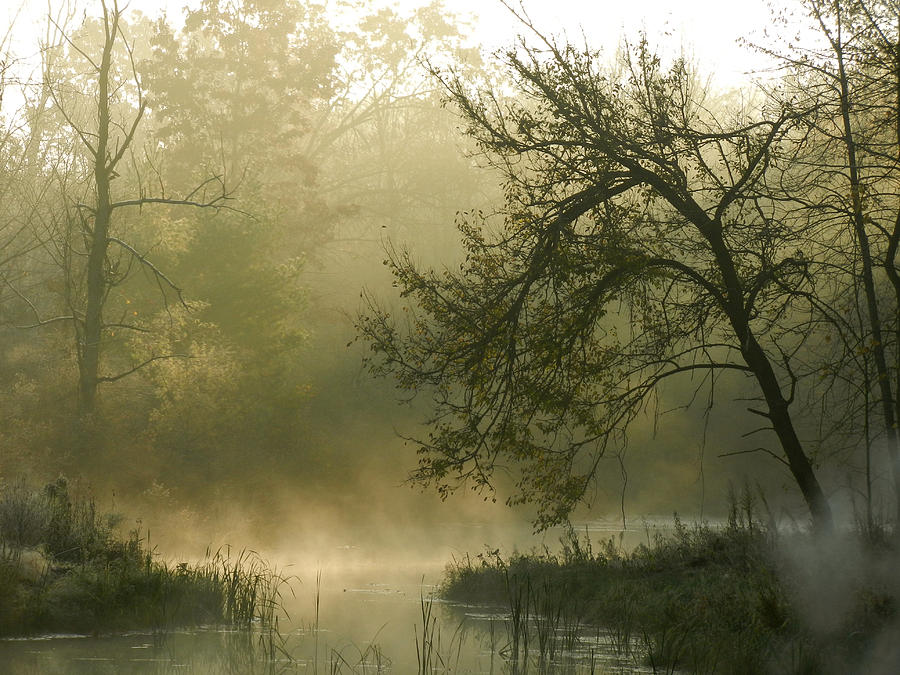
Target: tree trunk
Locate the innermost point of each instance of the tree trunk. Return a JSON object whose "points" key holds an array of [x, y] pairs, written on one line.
{"points": [[89, 356], [778, 406], [868, 278], [783, 425]]}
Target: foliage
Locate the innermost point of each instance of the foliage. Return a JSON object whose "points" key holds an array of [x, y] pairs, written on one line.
{"points": [[700, 598], [64, 568], [636, 246], [328, 134], [237, 89]]}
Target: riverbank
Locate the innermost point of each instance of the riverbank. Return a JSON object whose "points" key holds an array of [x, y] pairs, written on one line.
{"points": [[739, 598], [64, 568]]}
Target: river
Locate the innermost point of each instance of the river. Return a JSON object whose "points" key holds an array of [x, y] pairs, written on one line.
{"points": [[355, 610]]}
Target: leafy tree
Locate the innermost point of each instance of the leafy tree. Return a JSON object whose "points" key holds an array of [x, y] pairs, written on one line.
{"points": [[237, 87], [23, 179], [637, 245], [342, 145], [389, 151]]}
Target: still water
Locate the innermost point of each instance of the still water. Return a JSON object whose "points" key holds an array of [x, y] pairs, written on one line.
{"points": [[355, 611]]}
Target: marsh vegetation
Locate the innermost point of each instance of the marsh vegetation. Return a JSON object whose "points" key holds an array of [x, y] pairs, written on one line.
{"points": [[730, 597], [65, 568], [700, 598]]}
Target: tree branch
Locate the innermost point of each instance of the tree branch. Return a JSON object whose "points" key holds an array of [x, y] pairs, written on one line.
{"points": [[760, 449], [160, 276], [113, 378]]}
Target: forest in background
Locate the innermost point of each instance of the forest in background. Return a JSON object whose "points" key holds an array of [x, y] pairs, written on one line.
{"points": [[268, 151], [256, 159]]}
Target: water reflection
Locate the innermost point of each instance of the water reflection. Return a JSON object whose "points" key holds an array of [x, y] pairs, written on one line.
{"points": [[461, 640]]}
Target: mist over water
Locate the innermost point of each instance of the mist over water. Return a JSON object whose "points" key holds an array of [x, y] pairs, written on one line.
{"points": [[263, 262], [353, 602]]}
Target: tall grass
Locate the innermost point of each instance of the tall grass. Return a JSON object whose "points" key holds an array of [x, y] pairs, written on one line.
{"points": [[368, 660], [63, 567], [432, 655], [699, 599], [544, 619], [703, 599]]}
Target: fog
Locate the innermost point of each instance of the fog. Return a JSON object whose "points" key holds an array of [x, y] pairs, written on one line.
{"points": [[206, 372], [270, 423]]}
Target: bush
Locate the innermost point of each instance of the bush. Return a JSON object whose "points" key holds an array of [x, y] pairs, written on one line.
{"points": [[704, 599], [707, 599]]}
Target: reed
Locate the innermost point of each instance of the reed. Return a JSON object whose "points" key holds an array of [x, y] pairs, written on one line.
{"points": [[364, 661], [701, 599], [368, 660], [316, 625], [689, 601], [432, 655], [64, 568], [543, 622]]}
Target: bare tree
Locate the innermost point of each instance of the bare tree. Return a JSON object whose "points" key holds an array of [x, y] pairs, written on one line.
{"points": [[96, 259], [843, 179]]}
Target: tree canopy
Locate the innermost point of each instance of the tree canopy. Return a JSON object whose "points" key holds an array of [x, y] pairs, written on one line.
{"points": [[649, 233], [203, 336]]}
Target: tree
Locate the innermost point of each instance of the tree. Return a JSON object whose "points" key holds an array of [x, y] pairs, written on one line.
{"points": [[387, 147], [19, 146], [239, 86], [843, 179], [622, 190], [329, 148], [106, 138]]}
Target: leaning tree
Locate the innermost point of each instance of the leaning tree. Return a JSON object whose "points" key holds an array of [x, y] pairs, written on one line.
{"points": [[637, 245]]}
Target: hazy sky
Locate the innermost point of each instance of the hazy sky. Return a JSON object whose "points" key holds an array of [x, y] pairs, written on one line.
{"points": [[707, 29]]}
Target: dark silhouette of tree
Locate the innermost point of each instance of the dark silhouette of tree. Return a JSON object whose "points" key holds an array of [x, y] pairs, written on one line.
{"points": [[636, 245], [842, 179]]}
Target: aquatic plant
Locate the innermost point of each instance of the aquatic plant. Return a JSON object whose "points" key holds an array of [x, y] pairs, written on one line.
{"points": [[63, 567], [703, 598], [432, 656], [734, 598]]}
